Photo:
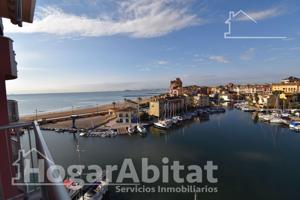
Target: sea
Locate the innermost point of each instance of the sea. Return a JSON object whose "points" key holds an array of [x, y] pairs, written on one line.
{"points": [[30, 103]]}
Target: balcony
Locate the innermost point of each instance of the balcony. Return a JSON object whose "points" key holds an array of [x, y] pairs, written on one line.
{"points": [[28, 136]]}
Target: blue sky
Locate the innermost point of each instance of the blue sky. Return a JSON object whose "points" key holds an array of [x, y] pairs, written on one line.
{"points": [[96, 45]]}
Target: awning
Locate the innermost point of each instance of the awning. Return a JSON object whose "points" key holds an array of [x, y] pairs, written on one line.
{"points": [[18, 11]]}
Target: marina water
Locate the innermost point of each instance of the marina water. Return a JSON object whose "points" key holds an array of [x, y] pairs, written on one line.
{"points": [[256, 160]]}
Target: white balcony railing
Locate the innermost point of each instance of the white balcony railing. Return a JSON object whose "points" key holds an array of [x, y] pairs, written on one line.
{"points": [[28, 136]]}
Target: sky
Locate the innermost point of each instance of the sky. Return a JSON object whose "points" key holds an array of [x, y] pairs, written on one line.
{"points": [[105, 45]]}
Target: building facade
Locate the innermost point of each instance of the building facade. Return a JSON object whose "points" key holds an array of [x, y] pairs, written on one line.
{"points": [[176, 87], [167, 107], [125, 115], [201, 100], [289, 88], [252, 89]]}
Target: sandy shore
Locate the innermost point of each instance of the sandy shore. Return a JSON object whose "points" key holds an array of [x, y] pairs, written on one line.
{"points": [[82, 123], [78, 111]]}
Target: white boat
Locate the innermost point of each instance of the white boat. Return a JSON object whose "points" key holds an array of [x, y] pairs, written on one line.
{"points": [[180, 119], [131, 130], [247, 109], [163, 124], [177, 119], [297, 128], [174, 120], [265, 117], [293, 125], [96, 192], [286, 115], [111, 133], [277, 120], [262, 110], [82, 134], [141, 128]]}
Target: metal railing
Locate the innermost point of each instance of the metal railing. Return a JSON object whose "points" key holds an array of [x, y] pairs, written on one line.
{"points": [[28, 137]]}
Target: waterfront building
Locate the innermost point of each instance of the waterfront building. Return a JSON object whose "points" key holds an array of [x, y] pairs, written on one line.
{"points": [[228, 96], [215, 90], [201, 100], [266, 101], [125, 115], [195, 89], [167, 107], [290, 79], [176, 87], [230, 86], [252, 89], [289, 88]]}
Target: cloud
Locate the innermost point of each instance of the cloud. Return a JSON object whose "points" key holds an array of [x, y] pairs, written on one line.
{"points": [[140, 19], [263, 14], [162, 62], [219, 59], [249, 54]]}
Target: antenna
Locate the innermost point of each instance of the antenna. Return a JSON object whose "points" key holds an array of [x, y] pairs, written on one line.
{"points": [[1, 27]]}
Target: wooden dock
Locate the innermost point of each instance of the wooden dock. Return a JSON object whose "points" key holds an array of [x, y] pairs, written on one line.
{"points": [[122, 131]]}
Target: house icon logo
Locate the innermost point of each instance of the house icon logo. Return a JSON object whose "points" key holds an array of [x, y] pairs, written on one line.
{"points": [[236, 16], [26, 161]]}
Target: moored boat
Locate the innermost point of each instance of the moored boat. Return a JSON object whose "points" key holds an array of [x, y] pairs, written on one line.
{"points": [[294, 124], [162, 124], [131, 130], [277, 120], [82, 134], [141, 128], [97, 191]]}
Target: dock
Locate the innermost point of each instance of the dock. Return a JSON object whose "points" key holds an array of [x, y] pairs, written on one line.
{"points": [[122, 131]]}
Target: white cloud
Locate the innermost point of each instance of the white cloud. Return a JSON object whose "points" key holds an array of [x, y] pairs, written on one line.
{"points": [[219, 59], [249, 54], [263, 14], [162, 62], [141, 19]]}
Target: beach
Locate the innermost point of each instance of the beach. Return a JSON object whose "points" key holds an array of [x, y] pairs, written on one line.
{"points": [[87, 117]]}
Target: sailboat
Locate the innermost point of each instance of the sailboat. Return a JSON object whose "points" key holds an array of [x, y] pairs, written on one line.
{"points": [[165, 123], [140, 128]]}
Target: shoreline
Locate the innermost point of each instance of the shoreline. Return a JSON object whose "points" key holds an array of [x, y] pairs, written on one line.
{"points": [[102, 108]]}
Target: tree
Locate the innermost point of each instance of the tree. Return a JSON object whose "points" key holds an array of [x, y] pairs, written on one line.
{"points": [[140, 99], [256, 98], [114, 104]]}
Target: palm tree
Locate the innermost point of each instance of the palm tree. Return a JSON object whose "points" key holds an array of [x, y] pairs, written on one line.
{"points": [[140, 99], [114, 104]]}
